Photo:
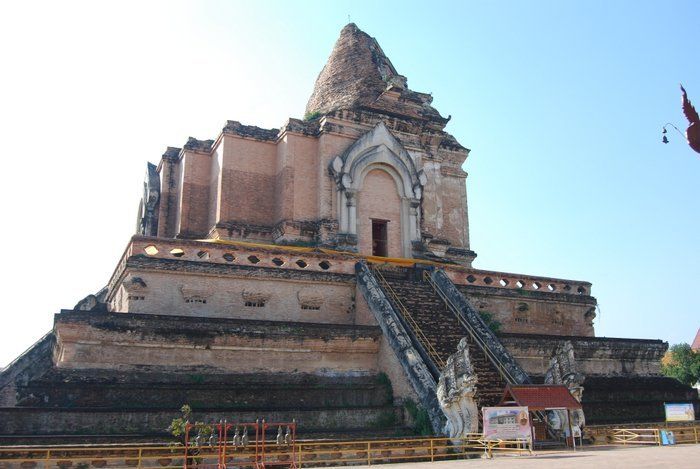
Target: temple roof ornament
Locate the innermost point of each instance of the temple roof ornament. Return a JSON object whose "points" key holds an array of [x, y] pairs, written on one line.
{"points": [[692, 133]]}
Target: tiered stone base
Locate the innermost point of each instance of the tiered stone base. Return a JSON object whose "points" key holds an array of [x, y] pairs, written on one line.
{"points": [[141, 396]]}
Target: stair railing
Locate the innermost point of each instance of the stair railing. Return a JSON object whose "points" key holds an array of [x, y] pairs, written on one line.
{"points": [[500, 367], [420, 335]]}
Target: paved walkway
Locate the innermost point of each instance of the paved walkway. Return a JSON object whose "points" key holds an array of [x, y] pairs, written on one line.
{"points": [[600, 457]]}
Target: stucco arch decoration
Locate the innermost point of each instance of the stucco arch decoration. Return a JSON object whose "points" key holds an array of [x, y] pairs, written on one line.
{"points": [[378, 149]]}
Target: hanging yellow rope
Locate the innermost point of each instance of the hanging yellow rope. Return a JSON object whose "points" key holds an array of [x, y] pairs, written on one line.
{"points": [[401, 261]]}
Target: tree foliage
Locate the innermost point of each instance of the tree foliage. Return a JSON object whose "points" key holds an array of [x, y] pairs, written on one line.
{"points": [[178, 426], [420, 417], [682, 363], [490, 321]]}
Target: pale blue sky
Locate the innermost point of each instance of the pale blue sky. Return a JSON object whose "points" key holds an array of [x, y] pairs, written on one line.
{"points": [[561, 103]]}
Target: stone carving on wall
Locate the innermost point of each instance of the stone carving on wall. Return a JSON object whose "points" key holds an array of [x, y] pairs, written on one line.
{"points": [[147, 221], [194, 295], [135, 289], [590, 316], [93, 302], [310, 297], [133, 284], [563, 370], [455, 392], [256, 296]]}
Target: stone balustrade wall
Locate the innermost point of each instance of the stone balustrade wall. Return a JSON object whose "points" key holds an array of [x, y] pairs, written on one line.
{"points": [[320, 260]]}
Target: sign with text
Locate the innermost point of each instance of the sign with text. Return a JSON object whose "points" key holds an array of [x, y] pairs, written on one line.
{"points": [[506, 423], [683, 412]]}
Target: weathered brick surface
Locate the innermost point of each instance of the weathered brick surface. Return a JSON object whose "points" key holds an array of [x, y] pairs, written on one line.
{"points": [[32, 363], [356, 73], [169, 180], [194, 193], [522, 311], [140, 389], [33, 421], [133, 341], [247, 192], [213, 296], [302, 153], [595, 356], [615, 399], [330, 145]]}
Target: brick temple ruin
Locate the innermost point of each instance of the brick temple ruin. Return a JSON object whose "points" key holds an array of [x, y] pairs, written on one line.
{"points": [[321, 271]]}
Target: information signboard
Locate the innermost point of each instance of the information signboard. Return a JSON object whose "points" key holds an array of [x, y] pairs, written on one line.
{"points": [[682, 412], [506, 423]]}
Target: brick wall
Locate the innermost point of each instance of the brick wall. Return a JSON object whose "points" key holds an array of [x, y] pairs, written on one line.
{"points": [[532, 313], [303, 153], [248, 181], [194, 194]]}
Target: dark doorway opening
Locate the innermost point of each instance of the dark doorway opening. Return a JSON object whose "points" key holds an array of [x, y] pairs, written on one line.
{"points": [[379, 238]]}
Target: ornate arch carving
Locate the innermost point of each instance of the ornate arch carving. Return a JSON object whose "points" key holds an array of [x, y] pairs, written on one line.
{"points": [[379, 149]]}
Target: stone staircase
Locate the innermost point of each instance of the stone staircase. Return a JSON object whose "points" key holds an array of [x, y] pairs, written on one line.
{"points": [[440, 327]]}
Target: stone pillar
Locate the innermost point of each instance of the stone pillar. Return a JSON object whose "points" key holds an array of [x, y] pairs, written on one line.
{"points": [[342, 212], [414, 220], [352, 211]]}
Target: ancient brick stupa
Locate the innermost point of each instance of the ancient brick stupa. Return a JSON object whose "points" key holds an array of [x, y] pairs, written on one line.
{"points": [[321, 271]]}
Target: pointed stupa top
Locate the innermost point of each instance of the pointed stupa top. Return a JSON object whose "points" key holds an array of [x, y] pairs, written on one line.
{"points": [[356, 74]]}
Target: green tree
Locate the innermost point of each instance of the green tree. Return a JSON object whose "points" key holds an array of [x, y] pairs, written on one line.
{"points": [[178, 426], [682, 363]]}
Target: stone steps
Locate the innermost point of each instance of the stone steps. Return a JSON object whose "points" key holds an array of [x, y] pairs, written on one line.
{"points": [[444, 331]]}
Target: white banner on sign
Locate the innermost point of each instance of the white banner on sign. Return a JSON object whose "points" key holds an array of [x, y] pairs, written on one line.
{"points": [[506, 423]]}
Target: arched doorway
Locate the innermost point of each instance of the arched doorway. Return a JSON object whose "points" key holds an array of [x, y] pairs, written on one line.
{"points": [[379, 217], [378, 161]]}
